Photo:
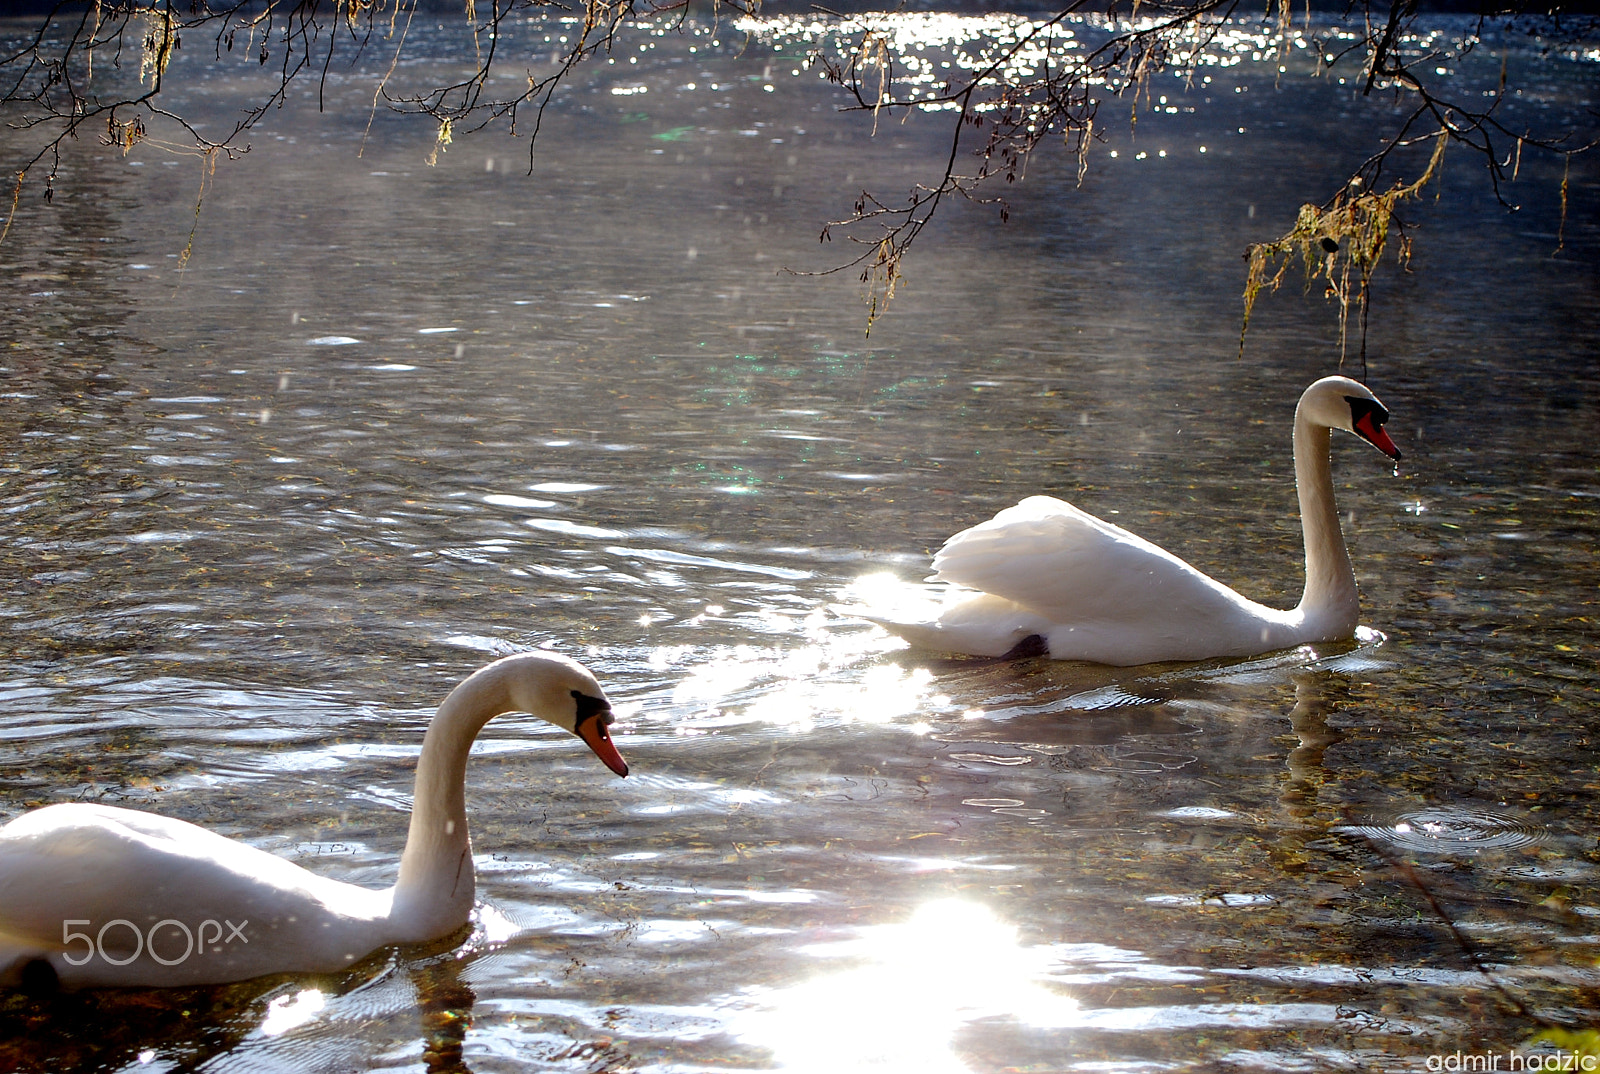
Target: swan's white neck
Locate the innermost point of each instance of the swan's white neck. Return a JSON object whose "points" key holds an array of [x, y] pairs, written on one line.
{"points": [[1330, 601], [433, 895]]}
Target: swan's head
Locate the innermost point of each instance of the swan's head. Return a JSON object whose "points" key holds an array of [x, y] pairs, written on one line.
{"points": [[1342, 403], [563, 692]]}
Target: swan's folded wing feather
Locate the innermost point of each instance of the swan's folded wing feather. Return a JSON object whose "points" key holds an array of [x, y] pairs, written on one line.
{"points": [[1070, 566]]}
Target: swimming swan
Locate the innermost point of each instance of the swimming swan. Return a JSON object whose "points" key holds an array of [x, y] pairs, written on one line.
{"points": [[100, 896], [1051, 579]]}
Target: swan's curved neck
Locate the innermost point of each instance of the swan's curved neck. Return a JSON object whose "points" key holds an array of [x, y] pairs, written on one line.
{"points": [[433, 894], [1330, 596]]}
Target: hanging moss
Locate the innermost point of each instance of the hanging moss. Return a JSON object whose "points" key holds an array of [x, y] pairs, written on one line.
{"points": [[1340, 242]]}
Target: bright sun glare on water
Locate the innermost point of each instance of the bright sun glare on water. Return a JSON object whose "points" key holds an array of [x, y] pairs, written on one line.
{"points": [[912, 986], [287, 1012], [827, 678]]}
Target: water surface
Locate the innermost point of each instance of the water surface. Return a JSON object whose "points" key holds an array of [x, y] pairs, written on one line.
{"points": [[391, 420]]}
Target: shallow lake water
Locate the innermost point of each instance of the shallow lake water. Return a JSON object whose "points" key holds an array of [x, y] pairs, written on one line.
{"points": [[391, 420]]}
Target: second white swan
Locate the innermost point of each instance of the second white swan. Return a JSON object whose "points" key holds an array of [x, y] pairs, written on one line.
{"points": [[94, 895], [1044, 578]]}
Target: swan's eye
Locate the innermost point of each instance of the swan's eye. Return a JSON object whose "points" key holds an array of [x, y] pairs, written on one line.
{"points": [[590, 707], [1366, 408]]}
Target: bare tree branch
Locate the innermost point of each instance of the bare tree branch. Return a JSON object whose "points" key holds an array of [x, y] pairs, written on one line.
{"points": [[1019, 108], [1044, 78]]}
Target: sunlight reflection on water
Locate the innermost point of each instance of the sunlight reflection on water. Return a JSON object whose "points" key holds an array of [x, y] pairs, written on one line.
{"points": [[913, 986], [287, 1012], [825, 680]]}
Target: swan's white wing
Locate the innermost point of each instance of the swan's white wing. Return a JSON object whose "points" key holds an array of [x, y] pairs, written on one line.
{"points": [[1071, 567]]}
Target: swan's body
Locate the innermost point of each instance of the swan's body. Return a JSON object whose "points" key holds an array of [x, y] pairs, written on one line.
{"points": [[1049, 577], [79, 881]]}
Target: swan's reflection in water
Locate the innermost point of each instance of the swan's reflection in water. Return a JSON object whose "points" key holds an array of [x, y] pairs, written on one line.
{"points": [[416, 997], [909, 990], [1309, 719], [445, 1003]]}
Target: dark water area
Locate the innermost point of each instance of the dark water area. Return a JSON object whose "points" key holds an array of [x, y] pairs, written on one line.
{"points": [[390, 420]]}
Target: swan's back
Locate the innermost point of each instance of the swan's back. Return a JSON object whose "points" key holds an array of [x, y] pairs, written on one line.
{"points": [[1071, 567], [89, 864], [1092, 591]]}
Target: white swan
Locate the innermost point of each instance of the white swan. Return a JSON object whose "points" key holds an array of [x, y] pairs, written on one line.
{"points": [[1052, 579], [100, 896]]}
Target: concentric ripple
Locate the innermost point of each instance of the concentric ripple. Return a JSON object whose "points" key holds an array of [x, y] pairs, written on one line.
{"points": [[1450, 830]]}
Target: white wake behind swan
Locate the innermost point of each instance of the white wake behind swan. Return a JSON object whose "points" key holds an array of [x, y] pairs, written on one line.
{"points": [[94, 895], [1044, 577]]}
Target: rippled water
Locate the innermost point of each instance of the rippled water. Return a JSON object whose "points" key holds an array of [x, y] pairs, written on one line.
{"points": [[392, 420]]}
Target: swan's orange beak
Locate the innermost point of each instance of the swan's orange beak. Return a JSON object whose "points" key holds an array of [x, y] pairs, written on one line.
{"points": [[594, 732], [1370, 431]]}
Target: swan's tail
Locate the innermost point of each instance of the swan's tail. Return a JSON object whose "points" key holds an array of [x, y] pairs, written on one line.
{"points": [[974, 624], [900, 607], [922, 633]]}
